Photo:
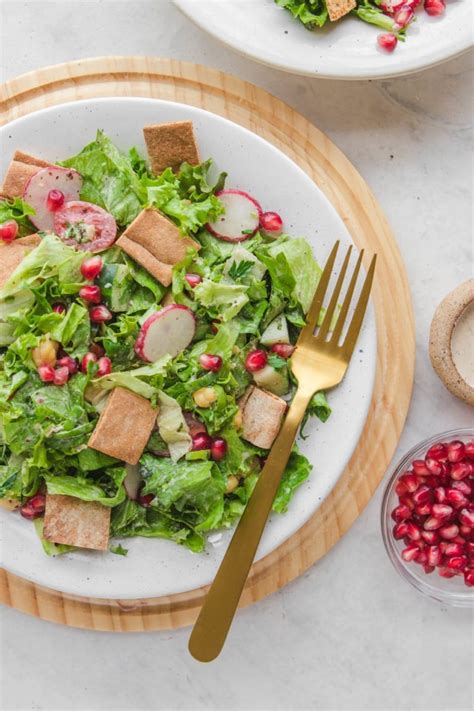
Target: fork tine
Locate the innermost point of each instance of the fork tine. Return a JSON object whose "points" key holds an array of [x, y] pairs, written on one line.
{"points": [[356, 323], [347, 302], [318, 298], [326, 324]]}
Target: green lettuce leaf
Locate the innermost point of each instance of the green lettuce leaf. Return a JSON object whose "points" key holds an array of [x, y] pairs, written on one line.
{"points": [[109, 179], [18, 210], [297, 471], [225, 300], [172, 427], [312, 13]]}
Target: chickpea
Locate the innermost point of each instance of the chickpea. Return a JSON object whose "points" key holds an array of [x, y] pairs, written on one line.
{"points": [[45, 353], [232, 483], [204, 397], [238, 419]]}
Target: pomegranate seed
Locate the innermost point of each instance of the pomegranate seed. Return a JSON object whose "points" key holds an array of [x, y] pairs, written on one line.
{"points": [[466, 517], [455, 451], [201, 440], [8, 231], [440, 494], [400, 488], [422, 495], [33, 507], [59, 308], [446, 573], [449, 532], [438, 451], [46, 373], [456, 498], [419, 467], [463, 486], [410, 481], [145, 500], [210, 362], [88, 358], [441, 511], [410, 553], [404, 16], [428, 568], [401, 513], [457, 563], [434, 466], [430, 537], [218, 449], [256, 360], [413, 532], [97, 349], [91, 293], [90, 268], [467, 531], [284, 350], [434, 481], [61, 375], [422, 558], [434, 7], [69, 363], [387, 41], [469, 449], [400, 530], [434, 555], [99, 314], [193, 279], [432, 523], [460, 470], [55, 200], [272, 223], [423, 509], [406, 500], [469, 577], [105, 366], [453, 549]]}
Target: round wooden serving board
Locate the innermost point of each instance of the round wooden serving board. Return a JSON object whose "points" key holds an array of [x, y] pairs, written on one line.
{"points": [[333, 173]]}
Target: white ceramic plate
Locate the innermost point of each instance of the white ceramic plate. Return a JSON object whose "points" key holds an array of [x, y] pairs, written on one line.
{"points": [[345, 50], [157, 567]]}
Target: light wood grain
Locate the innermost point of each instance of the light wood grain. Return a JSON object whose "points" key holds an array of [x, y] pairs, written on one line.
{"points": [[269, 117]]}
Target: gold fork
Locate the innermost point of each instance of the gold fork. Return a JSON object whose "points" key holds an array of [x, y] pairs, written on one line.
{"points": [[318, 362]]}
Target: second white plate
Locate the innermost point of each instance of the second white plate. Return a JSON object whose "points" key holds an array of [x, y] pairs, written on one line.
{"points": [[344, 50]]}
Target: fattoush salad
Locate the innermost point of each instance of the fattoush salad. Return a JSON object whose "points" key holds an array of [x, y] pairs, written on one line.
{"points": [[147, 320]]}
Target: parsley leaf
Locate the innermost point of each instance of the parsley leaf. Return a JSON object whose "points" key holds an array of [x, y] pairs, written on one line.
{"points": [[240, 269]]}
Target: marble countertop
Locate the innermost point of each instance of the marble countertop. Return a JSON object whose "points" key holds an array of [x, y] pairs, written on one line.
{"points": [[349, 634]]}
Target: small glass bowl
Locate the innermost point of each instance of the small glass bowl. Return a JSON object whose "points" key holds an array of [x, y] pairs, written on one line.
{"points": [[450, 591]]}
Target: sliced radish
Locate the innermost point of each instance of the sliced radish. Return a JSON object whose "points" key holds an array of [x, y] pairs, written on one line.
{"points": [[84, 226], [132, 481], [65, 180], [241, 219], [166, 332]]}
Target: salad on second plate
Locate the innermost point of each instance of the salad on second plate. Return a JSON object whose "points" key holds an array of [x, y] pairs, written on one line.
{"points": [[393, 16], [147, 321]]}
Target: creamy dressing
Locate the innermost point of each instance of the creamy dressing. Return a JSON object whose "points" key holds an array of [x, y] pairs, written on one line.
{"points": [[462, 344]]}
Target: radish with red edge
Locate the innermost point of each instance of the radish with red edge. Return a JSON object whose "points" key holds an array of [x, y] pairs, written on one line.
{"points": [[84, 226], [132, 482], [55, 180], [166, 332], [241, 218]]}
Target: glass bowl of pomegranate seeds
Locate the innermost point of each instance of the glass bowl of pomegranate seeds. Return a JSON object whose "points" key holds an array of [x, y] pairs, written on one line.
{"points": [[428, 517]]}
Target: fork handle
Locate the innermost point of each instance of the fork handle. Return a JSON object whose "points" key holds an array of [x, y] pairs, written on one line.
{"points": [[220, 604]]}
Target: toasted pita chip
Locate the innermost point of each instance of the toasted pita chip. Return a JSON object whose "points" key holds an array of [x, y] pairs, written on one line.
{"points": [[30, 160], [339, 8], [17, 176], [156, 243], [12, 254], [73, 522], [124, 426], [170, 144], [261, 417]]}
